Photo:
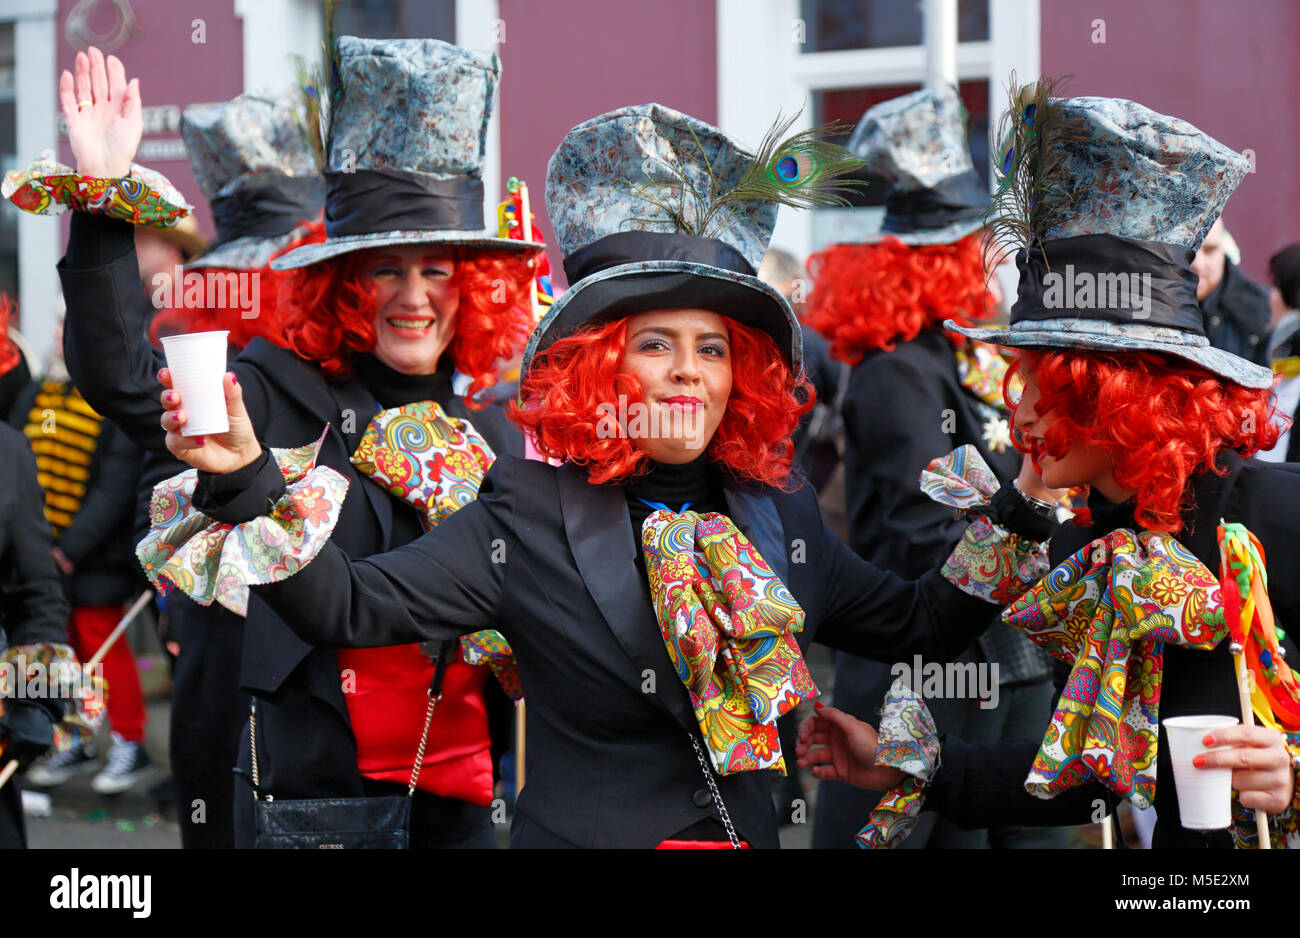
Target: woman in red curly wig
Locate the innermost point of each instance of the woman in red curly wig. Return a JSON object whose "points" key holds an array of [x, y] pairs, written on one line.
{"points": [[657, 587], [399, 313], [1124, 396], [915, 392]]}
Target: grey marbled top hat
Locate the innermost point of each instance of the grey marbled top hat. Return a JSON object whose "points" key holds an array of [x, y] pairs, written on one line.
{"points": [[917, 143], [407, 134], [254, 164], [623, 192], [1109, 201]]}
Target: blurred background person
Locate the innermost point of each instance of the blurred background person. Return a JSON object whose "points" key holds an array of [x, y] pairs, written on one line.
{"points": [[88, 469], [1236, 308], [1284, 347]]}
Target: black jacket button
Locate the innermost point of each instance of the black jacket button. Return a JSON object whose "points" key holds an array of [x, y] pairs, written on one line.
{"points": [[702, 798]]}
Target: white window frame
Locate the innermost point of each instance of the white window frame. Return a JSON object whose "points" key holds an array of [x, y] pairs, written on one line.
{"points": [[36, 131], [761, 71]]}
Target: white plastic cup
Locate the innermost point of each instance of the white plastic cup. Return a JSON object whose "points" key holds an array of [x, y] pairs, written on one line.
{"points": [[198, 363], [1204, 795]]}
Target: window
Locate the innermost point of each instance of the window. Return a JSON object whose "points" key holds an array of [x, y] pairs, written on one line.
{"points": [[835, 25], [397, 19]]}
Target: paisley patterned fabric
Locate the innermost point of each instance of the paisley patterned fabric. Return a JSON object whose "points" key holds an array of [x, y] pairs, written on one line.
{"points": [[909, 742], [728, 623], [436, 464], [1107, 611], [981, 370], [209, 560], [47, 187], [56, 669], [988, 562], [490, 647]]}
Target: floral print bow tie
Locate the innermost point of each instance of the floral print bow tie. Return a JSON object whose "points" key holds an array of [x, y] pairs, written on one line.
{"points": [[1108, 611], [728, 623], [436, 463]]}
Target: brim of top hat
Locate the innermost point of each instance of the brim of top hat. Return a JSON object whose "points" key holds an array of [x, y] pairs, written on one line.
{"points": [[1123, 337], [627, 289], [334, 247], [948, 234], [250, 253]]}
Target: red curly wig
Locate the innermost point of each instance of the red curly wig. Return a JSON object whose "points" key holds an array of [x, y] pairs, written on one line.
{"points": [[871, 296], [567, 384], [1160, 420], [9, 353], [327, 312]]}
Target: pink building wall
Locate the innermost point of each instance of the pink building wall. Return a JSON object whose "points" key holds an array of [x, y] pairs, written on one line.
{"points": [[173, 69], [564, 61], [1231, 69]]}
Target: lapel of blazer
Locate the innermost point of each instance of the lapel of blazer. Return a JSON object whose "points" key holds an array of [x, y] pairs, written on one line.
{"points": [[599, 531], [357, 405]]}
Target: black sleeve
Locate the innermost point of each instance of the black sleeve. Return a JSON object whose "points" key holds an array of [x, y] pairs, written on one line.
{"points": [[878, 615], [106, 331], [13, 383], [111, 499], [893, 428], [239, 496], [440, 586], [984, 786], [35, 611]]}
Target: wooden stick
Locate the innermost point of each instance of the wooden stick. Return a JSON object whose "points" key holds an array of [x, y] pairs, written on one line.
{"points": [[7, 772], [113, 636], [1107, 834], [521, 736], [1248, 719]]}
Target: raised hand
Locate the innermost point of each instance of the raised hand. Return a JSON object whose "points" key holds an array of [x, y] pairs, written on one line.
{"points": [[841, 748], [104, 115], [216, 452]]}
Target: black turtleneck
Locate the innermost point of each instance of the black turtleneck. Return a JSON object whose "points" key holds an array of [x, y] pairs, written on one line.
{"points": [[393, 389], [696, 482]]}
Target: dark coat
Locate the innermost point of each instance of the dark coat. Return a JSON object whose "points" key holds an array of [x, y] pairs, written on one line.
{"points": [[981, 785], [308, 750], [1237, 316], [100, 540], [551, 559]]}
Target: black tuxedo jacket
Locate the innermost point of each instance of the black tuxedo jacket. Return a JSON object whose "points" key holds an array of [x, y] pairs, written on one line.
{"points": [[550, 559], [303, 718]]}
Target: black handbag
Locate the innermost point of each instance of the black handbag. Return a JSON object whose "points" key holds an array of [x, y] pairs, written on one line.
{"points": [[382, 823]]}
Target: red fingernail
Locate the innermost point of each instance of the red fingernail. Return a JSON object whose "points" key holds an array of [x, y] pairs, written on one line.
{"points": [[171, 397], [200, 441], [1209, 739], [818, 705], [233, 378], [1199, 762]]}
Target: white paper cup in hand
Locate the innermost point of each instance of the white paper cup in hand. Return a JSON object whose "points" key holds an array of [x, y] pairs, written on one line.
{"points": [[1204, 795], [198, 363]]}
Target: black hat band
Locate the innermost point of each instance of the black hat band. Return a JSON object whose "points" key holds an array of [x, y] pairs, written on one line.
{"points": [[1109, 278], [273, 207], [376, 201], [630, 247], [957, 198]]}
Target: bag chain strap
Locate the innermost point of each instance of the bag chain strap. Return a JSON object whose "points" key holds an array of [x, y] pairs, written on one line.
{"points": [[717, 795], [435, 695]]}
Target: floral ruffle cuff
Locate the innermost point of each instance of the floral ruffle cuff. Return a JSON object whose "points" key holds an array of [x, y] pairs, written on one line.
{"points": [[989, 562], [907, 741], [47, 187], [52, 673], [489, 647], [212, 560]]}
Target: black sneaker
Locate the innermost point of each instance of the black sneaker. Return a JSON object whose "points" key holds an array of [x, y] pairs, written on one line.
{"points": [[58, 768], [128, 764]]}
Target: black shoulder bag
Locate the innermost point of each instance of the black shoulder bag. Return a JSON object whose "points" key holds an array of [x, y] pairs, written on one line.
{"points": [[381, 823]]}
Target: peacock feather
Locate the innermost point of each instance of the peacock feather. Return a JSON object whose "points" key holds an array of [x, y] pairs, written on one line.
{"points": [[1031, 139], [309, 85], [801, 171]]}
